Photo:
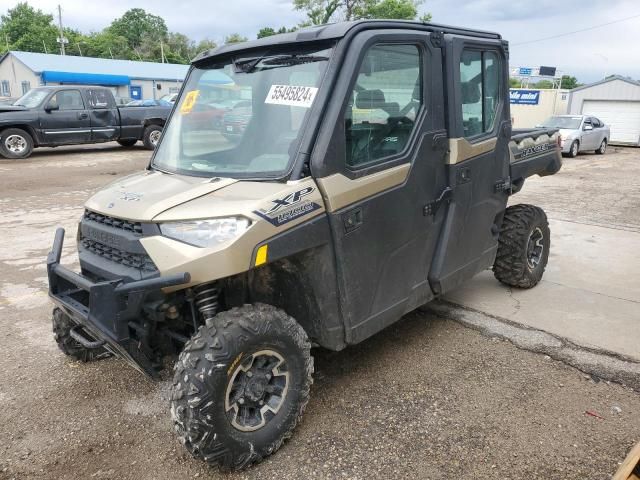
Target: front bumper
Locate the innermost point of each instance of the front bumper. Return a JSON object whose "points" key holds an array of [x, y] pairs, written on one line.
{"points": [[103, 310]]}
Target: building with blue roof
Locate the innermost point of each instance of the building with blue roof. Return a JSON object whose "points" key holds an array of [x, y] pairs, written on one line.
{"points": [[21, 71]]}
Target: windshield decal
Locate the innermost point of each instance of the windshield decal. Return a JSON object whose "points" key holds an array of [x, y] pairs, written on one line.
{"points": [[292, 95], [189, 102]]}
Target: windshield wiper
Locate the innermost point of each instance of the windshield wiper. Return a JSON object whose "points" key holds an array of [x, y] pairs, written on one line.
{"points": [[249, 65]]}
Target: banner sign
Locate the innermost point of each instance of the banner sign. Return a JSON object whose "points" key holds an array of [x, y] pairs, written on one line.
{"points": [[524, 97], [525, 71]]}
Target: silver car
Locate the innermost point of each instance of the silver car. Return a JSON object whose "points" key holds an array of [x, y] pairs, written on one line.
{"points": [[580, 133]]}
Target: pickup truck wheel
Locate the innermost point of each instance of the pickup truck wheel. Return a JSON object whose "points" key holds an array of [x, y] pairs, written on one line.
{"points": [[523, 246], [15, 143], [151, 136], [129, 142], [575, 148], [62, 326], [603, 147], [241, 385]]}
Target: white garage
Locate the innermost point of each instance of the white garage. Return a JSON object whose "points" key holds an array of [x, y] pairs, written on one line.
{"points": [[615, 101]]}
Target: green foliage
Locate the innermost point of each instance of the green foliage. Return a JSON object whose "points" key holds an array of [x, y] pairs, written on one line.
{"points": [[543, 84], [396, 9], [515, 83], [25, 28], [323, 11], [569, 82], [106, 44], [136, 25], [235, 38], [266, 32]]}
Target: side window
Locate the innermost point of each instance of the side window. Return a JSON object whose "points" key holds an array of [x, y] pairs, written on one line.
{"points": [[480, 78], [384, 105], [67, 100], [100, 99]]}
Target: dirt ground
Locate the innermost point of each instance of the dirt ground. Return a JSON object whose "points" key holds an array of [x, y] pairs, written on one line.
{"points": [[425, 399]]}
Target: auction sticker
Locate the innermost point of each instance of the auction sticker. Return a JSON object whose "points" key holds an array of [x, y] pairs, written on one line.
{"points": [[293, 95], [189, 102]]}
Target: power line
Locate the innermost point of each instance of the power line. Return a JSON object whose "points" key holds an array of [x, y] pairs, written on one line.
{"points": [[576, 31]]}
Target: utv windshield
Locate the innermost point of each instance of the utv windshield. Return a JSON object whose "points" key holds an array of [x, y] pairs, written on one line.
{"points": [[570, 123], [244, 117]]}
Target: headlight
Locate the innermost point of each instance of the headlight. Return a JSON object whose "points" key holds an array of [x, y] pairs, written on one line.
{"points": [[205, 233]]}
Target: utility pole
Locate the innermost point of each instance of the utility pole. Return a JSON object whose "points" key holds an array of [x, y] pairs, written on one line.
{"points": [[6, 39], [111, 53], [79, 49], [45, 46], [161, 51], [62, 39]]}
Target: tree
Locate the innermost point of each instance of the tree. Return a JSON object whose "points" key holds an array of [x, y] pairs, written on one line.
{"points": [[27, 29], [544, 84], [515, 83], [235, 38], [569, 82], [137, 25], [106, 44], [323, 11], [396, 9], [266, 32]]}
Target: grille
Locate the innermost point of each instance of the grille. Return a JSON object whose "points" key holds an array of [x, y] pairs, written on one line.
{"points": [[126, 225], [134, 260]]}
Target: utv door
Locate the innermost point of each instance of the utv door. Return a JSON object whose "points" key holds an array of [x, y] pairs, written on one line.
{"points": [[478, 160], [65, 119], [379, 162]]}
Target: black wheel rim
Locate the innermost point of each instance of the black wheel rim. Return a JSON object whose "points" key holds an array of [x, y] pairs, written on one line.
{"points": [[535, 248], [257, 390]]}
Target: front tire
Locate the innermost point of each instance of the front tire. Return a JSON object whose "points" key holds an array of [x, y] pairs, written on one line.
{"points": [[241, 385], [574, 150], [603, 147], [15, 143], [62, 326], [151, 136], [523, 246]]}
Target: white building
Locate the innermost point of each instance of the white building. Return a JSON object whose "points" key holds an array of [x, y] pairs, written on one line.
{"points": [[615, 101], [21, 71]]}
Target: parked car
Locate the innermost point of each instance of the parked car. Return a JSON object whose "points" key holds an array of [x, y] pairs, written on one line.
{"points": [[580, 133], [70, 115], [170, 98], [149, 103], [235, 121]]}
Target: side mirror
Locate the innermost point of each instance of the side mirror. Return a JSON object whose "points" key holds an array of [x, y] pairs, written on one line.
{"points": [[51, 107], [588, 127]]}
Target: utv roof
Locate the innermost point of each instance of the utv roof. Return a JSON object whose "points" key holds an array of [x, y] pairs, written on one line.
{"points": [[332, 31]]}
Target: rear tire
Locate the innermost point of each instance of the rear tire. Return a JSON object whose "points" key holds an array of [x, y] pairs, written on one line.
{"points": [[231, 376], [603, 147], [15, 143], [129, 142], [151, 136], [62, 326], [523, 246]]}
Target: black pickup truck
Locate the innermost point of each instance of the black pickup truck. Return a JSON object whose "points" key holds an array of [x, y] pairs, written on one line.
{"points": [[72, 114]]}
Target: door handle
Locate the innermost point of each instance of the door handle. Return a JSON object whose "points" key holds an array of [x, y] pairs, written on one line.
{"points": [[83, 116]]}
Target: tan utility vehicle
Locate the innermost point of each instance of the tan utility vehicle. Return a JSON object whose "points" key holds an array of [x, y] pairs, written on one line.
{"points": [[363, 169]]}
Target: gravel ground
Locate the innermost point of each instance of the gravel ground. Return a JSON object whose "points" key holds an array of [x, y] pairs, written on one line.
{"points": [[428, 398]]}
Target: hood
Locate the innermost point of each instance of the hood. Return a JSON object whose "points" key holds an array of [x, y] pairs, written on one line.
{"points": [[12, 108], [567, 132], [144, 195]]}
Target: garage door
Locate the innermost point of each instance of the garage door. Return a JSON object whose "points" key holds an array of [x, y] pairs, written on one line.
{"points": [[622, 117]]}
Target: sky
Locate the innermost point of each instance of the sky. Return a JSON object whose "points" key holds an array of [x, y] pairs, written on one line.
{"points": [[588, 55]]}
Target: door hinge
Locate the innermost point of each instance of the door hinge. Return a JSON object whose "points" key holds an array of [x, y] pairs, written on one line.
{"points": [[432, 208], [503, 185]]}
